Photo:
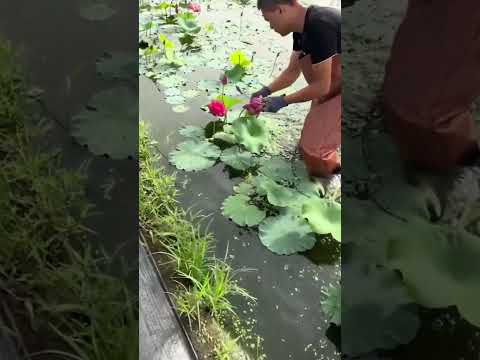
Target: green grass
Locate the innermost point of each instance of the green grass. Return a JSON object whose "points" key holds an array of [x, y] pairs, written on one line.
{"points": [[205, 284], [55, 288]]}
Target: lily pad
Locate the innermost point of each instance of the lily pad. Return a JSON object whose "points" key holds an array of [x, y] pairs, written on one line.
{"points": [[238, 208], [180, 108], [195, 155], [286, 234], [117, 66], [173, 91], [332, 304], [278, 170], [277, 195], [238, 159], [175, 100], [96, 11], [193, 132], [109, 123], [251, 133], [189, 94], [324, 216]]}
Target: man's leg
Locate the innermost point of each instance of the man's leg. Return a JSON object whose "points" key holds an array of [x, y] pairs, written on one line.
{"points": [[321, 137]]}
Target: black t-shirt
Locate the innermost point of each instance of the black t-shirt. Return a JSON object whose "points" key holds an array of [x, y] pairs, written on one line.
{"points": [[322, 34]]}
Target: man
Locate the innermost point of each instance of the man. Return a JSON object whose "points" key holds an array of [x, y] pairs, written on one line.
{"points": [[316, 53], [431, 80]]}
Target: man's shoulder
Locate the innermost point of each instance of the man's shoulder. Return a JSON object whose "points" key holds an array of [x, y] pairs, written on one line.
{"points": [[323, 17]]}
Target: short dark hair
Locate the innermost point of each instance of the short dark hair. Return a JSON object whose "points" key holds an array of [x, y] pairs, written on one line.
{"points": [[265, 4]]}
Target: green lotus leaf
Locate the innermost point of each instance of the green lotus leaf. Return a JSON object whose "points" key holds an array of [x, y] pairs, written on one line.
{"points": [[378, 309], [188, 23], [228, 138], [251, 133], [195, 155], [117, 66], [244, 188], [97, 11], [278, 170], [286, 234], [193, 132], [175, 100], [238, 159], [440, 266], [332, 304], [108, 123], [277, 195], [180, 108], [325, 217], [235, 74], [238, 208]]}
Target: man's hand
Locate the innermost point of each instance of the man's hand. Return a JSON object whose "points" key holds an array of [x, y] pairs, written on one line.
{"points": [[274, 104], [263, 92]]}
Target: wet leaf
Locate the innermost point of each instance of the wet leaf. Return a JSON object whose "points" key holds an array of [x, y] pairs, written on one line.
{"points": [[286, 234], [238, 208], [195, 155], [238, 159], [324, 216]]}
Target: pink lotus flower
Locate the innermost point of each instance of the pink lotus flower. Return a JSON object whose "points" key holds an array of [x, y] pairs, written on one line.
{"points": [[194, 7], [217, 108], [255, 106]]}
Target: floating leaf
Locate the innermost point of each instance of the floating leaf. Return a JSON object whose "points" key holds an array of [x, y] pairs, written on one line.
{"points": [[189, 94], [286, 234], [251, 133], [440, 266], [223, 136], [235, 74], [277, 195], [193, 132], [277, 169], [188, 23], [237, 208], [108, 125], [332, 304], [96, 11], [180, 108], [378, 310], [195, 155], [324, 216], [238, 159], [244, 188], [174, 91], [117, 66], [175, 100]]}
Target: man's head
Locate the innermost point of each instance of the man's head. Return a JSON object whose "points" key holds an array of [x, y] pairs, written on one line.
{"points": [[280, 14]]}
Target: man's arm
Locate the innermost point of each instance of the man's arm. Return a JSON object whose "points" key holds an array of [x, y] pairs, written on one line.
{"points": [[320, 87], [289, 75]]}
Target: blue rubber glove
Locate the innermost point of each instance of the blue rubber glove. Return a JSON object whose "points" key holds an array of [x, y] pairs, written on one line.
{"points": [[274, 103], [263, 92]]}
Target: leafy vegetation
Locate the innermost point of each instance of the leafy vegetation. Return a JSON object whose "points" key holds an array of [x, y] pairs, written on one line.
{"points": [[54, 283], [204, 283]]}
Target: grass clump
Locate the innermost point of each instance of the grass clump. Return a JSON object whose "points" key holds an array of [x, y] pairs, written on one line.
{"points": [[203, 284]]}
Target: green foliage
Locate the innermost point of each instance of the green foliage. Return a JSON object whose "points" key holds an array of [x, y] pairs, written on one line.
{"points": [[286, 234], [107, 124], [195, 155], [239, 209], [238, 159], [188, 23], [332, 304], [325, 217], [251, 133]]}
